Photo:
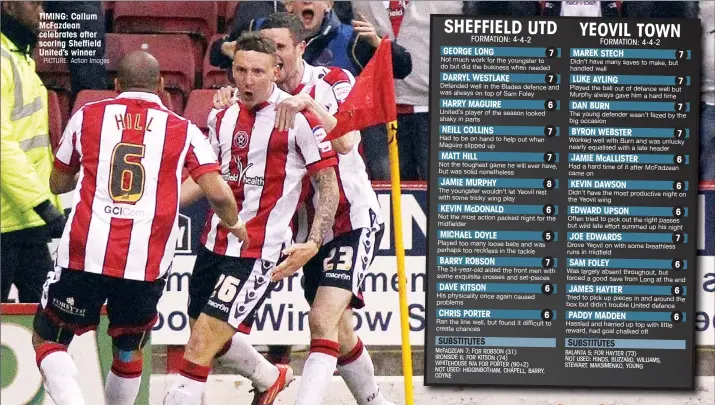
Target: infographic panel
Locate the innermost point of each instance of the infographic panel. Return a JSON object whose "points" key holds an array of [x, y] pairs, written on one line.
{"points": [[562, 202]]}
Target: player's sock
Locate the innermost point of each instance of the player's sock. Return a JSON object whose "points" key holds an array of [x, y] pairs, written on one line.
{"points": [[242, 356], [317, 371], [189, 386], [123, 382], [357, 370], [60, 374]]}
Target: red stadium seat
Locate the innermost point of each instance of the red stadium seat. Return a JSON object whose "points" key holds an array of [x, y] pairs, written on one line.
{"points": [[213, 77], [198, 108], [221, 21], [196, 18], [55, 121], [229, 13], [173, 53], [90, 96], [108, 7]]}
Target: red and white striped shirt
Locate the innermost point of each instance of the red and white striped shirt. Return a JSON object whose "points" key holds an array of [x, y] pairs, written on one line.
{"points": [[358, 206], [130, 152], [265, 168]]}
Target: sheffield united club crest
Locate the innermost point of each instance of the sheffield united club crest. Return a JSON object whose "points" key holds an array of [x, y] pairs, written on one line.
{"points": [[241, 139]]}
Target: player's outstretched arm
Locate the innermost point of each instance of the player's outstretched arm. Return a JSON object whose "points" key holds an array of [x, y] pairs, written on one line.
{"points": [[341, 145], [287, 109], [190, 193], [223, 203], [345, 143], [328, 196], [286, 112]]}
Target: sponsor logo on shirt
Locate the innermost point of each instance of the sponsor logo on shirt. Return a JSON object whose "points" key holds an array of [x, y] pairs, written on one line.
{"points": [[239, 175], [341, 90], [396, 13], [398, 10], [121, 211]]}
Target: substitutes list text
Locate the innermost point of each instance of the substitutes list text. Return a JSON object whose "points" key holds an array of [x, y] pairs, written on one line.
{"points": [[562, 202]]}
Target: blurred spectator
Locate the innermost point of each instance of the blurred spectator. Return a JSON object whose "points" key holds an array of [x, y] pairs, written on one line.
{"points": [[408, 23], [704, 11], [329, 42], [707, 106], [660, 9], [85, 75], [502, 8], [30, 214], [248, 11], [344, 11], [581, 8], [544, 8]]}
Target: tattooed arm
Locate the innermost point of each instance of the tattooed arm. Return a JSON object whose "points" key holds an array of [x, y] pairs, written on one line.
{"points": [[328, 195]]}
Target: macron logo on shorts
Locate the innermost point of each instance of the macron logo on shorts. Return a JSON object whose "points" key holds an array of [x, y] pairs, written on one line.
{"points": [[340, 276], [218, 306]]}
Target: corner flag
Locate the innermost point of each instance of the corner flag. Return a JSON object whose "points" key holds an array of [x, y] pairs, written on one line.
{"points": [[372, 99]]}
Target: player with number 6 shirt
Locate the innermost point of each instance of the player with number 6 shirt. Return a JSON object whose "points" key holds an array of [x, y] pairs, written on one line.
{"points": [[124, 159]]}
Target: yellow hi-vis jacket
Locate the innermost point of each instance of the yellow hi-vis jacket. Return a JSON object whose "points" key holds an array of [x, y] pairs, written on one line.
{"points": [[25, 153]]}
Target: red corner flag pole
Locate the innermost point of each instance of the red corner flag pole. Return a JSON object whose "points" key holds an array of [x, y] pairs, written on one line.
{"points": [[371, 102]]}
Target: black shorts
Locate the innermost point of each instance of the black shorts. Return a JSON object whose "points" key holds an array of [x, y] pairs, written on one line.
{"points": [[229, 288], [343, 263], [72, 301]]}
